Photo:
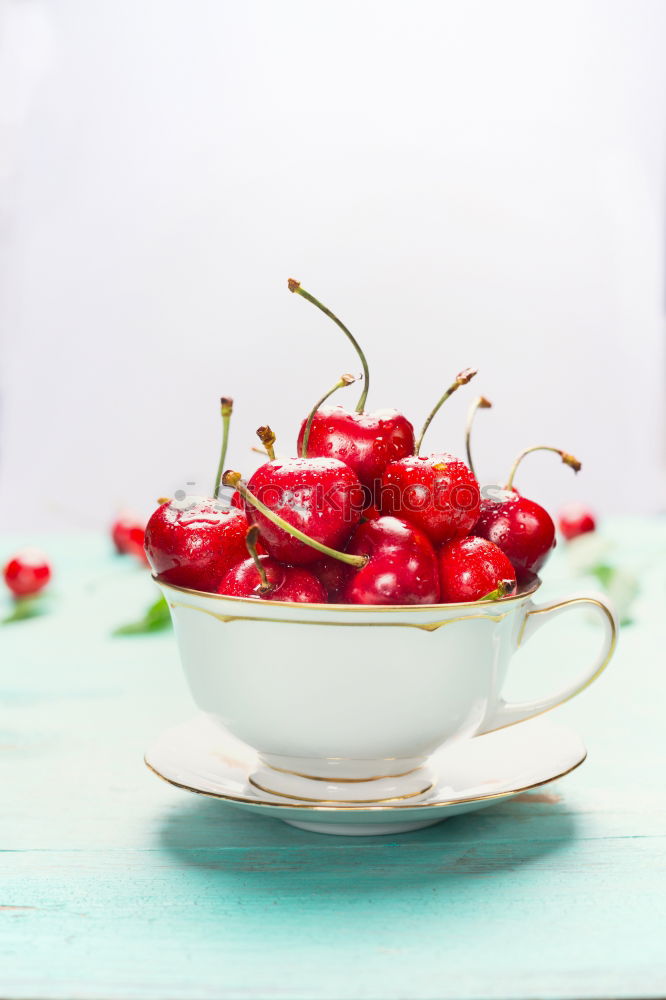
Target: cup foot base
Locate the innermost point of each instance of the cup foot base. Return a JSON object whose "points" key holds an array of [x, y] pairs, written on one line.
{"points": [[288, 786], [362, 829]]}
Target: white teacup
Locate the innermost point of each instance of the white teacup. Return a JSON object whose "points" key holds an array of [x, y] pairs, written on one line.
{"points": [[346, 703]]}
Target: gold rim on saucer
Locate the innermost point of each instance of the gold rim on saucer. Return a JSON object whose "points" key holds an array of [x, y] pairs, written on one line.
{"points": [[389, 807]]}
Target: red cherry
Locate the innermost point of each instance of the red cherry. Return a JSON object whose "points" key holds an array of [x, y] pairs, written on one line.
{"points": [[438, 493], [128, 537], [123, 529], [575, 519], [193, 542], [27, 573], [401, 567], [366, 442], [473, 568], [321, 497], [522, 529], [395, 562], [370, 513], [285, 583], [333, 575], [264, 578]]}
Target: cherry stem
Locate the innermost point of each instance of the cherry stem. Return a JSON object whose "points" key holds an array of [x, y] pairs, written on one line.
{"points": [[226, 409], [267, 438], [251, 539], [295, 286], [343, 381], [503, 588], [461, 379], [480, 403], [231, 478], [568, 459]]}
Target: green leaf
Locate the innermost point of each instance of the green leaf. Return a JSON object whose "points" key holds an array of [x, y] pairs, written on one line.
{"points": [[156, 619], [24, 607], [603, 573], [622, 587]]}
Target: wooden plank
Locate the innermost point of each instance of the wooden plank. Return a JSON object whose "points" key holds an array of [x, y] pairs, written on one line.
{"points": [[362, 920]]}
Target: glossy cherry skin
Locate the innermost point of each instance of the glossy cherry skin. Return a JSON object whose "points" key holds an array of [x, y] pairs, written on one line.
{"points": [[437, 493], [320, 496], [471, 568], [366, 442], [193, 542], [128, 537], [401, 569], [521, 528], [27, 573], [289, 583], [575, 519], [333, 575]]}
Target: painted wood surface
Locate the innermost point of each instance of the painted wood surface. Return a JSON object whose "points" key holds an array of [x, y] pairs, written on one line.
{"points": [[115, 885]]}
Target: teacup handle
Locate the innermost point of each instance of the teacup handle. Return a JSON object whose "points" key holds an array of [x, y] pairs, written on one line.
{"points": [[536, 615]]}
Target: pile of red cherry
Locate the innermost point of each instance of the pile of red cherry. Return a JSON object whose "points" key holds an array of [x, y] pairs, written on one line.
{"points": [[359, 517]]}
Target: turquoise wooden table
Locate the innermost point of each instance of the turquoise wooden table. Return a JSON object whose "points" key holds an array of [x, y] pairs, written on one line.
{"points": [[115, 885]]}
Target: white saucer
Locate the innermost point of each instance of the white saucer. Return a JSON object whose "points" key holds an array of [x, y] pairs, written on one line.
{"points": [[472, 774]]}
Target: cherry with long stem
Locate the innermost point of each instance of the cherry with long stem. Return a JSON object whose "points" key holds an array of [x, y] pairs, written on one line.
{"points": [[480, 403], [461, 379], [226, 409], [295, 286], [234, 479], [343, 381], [568, 459], [251, 539]]}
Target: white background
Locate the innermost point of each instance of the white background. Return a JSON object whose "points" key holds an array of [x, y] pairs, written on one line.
{"points": [[466, 183]]}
